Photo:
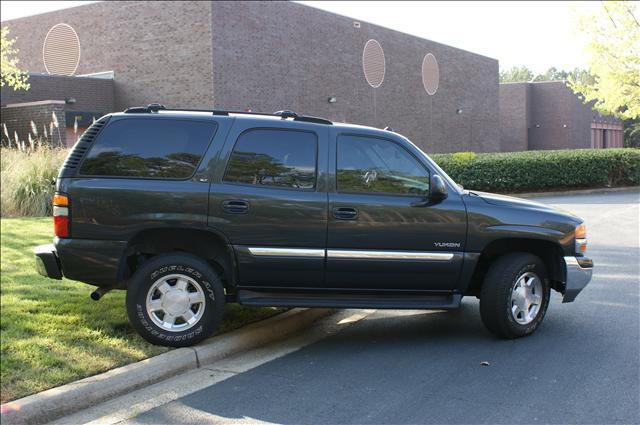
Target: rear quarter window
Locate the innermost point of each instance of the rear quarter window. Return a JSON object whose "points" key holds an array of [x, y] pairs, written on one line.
{"points": [[149, 148]]}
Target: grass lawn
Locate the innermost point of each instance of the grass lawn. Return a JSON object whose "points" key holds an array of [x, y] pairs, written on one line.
{"points": [[52, 333]]}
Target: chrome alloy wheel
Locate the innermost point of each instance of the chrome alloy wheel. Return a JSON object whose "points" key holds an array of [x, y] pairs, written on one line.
{"points": [[175, 302], [526, 298]]}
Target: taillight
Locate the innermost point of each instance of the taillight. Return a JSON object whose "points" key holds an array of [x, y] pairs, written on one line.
{"points": [[61, 215]]}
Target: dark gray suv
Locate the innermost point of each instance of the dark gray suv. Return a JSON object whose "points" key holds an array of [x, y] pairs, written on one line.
{"points": [[188, 210]]}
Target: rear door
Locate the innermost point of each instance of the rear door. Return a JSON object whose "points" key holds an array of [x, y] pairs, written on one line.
{"points": [[268, 197], [379, 236]]}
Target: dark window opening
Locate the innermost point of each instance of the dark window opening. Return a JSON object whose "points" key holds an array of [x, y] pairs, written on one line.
{"points": [[150, 148], [280, 158], [373, 165]]}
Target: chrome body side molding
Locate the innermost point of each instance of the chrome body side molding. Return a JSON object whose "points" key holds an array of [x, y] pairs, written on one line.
{"points": [[349, 254], [389, 255], [286, 252]]}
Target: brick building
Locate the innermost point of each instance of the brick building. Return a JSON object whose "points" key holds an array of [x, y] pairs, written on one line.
{"points": [[548, 115], [268, 56]]}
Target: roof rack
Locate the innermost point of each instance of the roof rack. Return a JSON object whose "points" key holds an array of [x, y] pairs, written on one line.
{"points": [[156, 107]]}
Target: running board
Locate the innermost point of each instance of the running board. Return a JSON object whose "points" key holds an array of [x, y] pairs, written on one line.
{"points": [[381, 301]]}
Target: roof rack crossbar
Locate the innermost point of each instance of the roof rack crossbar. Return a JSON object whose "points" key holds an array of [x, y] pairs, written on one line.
{"points": [[155, 107]]}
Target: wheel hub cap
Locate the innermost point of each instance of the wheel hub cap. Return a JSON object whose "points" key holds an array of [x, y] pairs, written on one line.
{"points": [[526, 298], [175, 302]]}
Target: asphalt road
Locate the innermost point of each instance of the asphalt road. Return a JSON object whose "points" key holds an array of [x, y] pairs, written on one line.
{"points": [[581, 366]]}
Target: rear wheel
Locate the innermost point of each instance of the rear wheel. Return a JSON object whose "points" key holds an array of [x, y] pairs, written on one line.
{"points": [[515, 295], [175, 300]]}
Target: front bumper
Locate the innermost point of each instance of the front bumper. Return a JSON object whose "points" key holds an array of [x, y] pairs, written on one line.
{"points": [[579, 272], [47, 262]]}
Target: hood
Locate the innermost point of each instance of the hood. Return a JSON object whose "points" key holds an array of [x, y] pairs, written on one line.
{"points": [[511, 201]]}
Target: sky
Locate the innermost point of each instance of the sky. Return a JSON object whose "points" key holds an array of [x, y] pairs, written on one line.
{"points": [[536, 34]]}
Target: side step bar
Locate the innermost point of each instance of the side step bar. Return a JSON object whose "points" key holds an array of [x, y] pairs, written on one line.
{"points": [[381, 301]]}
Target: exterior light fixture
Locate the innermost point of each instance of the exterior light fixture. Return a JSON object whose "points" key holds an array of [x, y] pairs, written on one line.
{"points": [[459, 111], [564, 126], [537, 125], [69, 100], [332, 99]]}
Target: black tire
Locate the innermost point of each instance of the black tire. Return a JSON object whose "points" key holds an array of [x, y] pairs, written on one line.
{"points": [[495, 294], [192, 269]]}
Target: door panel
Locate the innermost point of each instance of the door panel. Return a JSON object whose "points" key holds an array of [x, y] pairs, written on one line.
{"points": [[274, 218], [390, 227], [270, 204], [378, 240]]}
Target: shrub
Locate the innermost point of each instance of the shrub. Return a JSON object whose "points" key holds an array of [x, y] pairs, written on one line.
{"points": [[543, 170], [26, 188]]}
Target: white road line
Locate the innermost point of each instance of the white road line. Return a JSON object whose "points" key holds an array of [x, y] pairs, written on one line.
{"points": [[130, 405]]}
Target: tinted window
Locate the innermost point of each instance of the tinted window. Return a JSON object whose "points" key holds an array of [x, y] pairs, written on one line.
{"points": [[149, 148], [274, 158], [378, 166]]}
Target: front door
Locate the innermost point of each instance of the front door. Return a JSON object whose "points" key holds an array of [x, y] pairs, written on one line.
{"points": [[270, 205], [379, 234]]}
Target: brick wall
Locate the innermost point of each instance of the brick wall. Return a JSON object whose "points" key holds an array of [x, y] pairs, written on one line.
{"points": [[159, 51], [91, 94], [515, 116], [278, 55], [18, 119], [546, 115]]}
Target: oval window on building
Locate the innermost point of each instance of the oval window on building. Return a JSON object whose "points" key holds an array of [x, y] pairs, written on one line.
{"points": [[430, 74], [61, 50], [373, 63]]}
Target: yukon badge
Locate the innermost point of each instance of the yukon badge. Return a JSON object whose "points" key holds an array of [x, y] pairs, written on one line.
{"points": [[447, 244]]}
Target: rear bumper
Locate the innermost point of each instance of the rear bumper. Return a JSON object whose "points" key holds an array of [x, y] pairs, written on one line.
{"points": [[96, 262], [579, 272], [47, 261]]}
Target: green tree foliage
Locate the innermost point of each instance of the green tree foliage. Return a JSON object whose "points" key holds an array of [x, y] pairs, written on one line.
{"points": [[614, 58], [554, 74], [516, 74], [524, 74], [11, 75], [632, 133]]}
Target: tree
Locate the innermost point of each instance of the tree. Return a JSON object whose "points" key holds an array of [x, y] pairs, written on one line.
{"points": [[516, 74], [11, 74], [524, 74], [614, 58], [554, 74]]}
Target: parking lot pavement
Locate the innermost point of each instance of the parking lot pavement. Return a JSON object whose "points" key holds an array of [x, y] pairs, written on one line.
{"points": [[581, 366]]}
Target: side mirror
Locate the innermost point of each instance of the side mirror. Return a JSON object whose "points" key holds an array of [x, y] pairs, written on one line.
{"points": [[437, 188], [437, 192]]}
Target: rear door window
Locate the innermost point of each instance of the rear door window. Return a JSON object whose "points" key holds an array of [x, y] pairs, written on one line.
{"points": [[272, 157], [149, 148]]}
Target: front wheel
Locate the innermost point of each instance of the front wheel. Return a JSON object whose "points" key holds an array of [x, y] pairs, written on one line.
{"points": [[515, 295], [175, 300]]}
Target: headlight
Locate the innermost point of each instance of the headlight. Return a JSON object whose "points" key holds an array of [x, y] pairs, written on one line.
{"points": [[581, 239]]}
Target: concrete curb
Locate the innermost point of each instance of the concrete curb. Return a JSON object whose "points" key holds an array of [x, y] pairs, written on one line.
{"points": [[576, 192], [57, 402]]}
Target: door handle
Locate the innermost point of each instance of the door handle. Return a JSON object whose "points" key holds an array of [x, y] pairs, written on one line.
{"points": [[235, 206], [345, 213]]}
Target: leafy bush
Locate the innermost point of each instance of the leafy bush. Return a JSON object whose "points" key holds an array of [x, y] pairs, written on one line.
{"points": [[26, 188], [543, 170]]}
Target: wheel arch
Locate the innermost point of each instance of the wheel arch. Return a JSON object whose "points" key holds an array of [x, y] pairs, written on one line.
{"points": [[207, 244], [549, 252]]}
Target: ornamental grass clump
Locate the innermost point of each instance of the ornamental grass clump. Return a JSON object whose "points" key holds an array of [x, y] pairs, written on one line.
{"points": [[27, 177]]}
